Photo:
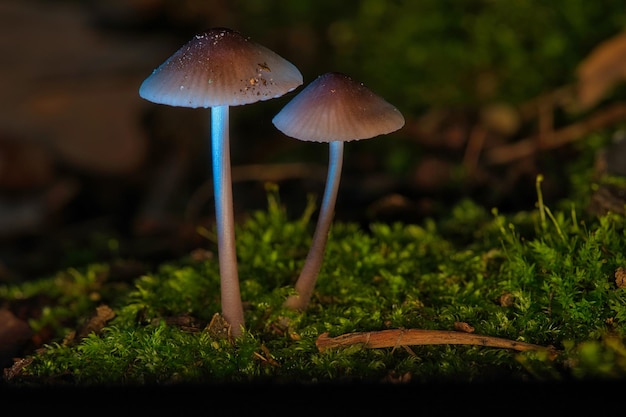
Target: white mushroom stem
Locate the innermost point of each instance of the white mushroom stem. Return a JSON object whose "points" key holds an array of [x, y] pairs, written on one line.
{"points": [[306, 281], [232, 308]]}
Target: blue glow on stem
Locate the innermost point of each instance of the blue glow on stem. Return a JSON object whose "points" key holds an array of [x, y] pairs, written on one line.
{"points": [[335, 163], [313, 263], [232, 308], [220, 154]]}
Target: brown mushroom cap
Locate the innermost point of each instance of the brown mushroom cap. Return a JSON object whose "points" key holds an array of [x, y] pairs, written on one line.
{"points": [[220, 67], [334, 107]]}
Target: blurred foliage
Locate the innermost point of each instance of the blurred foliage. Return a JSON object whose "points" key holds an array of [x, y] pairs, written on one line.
{"points": [[416, 53], [440, 62], [426, 53]]}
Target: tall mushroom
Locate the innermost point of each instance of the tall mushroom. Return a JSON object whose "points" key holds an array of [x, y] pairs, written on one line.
{"points": [[217, 69], [334, 109]]}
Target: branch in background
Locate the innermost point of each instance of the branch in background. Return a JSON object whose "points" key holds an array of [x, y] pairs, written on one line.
{"points": [[507, 153]]}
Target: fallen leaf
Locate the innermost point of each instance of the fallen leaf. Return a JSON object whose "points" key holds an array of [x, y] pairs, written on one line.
{"points": [[97, 322], [461, 326], [620, 277], [601, 70]]}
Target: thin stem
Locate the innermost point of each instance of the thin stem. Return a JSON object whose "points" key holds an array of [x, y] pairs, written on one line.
{"points": [[542, 212], [232, 308], [306, 281]]}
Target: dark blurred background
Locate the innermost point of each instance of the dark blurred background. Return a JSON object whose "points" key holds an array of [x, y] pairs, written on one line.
{"points": [[493, 93]]}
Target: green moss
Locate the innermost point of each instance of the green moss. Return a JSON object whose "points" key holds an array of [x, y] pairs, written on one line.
{"points": [[65, 297], [544, 277]]}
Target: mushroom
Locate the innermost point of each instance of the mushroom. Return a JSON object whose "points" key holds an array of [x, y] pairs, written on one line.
{"points": [[334, 109], [217, 69]]}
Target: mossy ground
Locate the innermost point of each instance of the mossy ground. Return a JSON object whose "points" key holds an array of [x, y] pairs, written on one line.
{"points": [[552, 276]]}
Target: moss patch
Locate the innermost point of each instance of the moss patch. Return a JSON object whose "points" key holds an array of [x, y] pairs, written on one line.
{"points": [[551, 277]]}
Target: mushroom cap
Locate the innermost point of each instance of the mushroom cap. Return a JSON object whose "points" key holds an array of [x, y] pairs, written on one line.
{"points": [[220, 67], [334, 107]]}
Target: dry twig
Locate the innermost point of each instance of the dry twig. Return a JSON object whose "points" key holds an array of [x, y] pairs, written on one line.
{"points": [[403, 337]]}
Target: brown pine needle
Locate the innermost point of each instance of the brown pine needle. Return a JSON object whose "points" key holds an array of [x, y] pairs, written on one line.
{"points": [[404, 337]]}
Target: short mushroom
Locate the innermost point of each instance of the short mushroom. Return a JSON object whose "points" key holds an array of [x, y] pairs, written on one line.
{"points": [[334, 109], [217, 69]]}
